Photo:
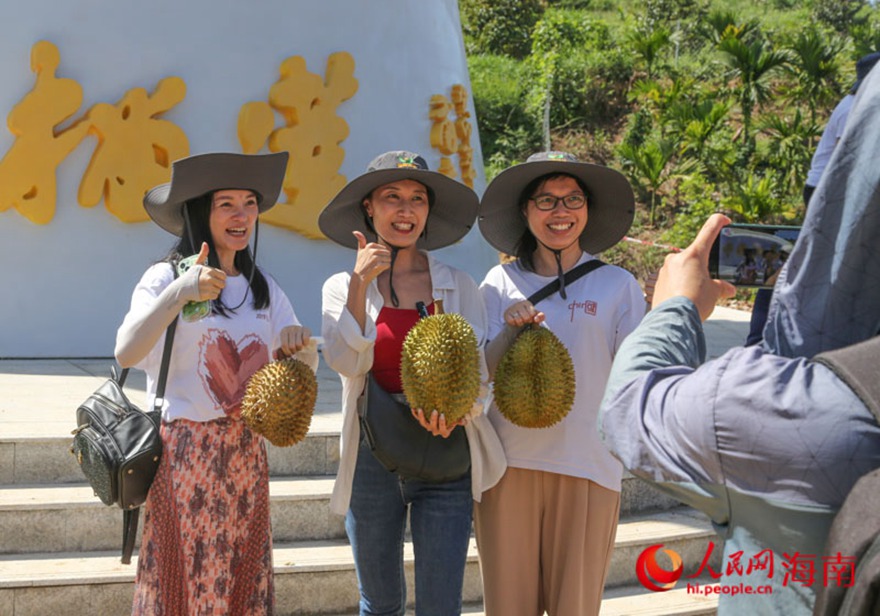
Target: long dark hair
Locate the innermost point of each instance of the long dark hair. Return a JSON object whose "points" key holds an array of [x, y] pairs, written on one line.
{"points": [[197, 229], [528, 244]]}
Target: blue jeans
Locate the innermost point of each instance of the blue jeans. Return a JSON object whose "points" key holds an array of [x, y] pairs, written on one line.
{"points": [[440, 521]]}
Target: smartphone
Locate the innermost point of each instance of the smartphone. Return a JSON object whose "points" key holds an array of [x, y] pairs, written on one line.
{"points": [[750, 255], [193, 311]]}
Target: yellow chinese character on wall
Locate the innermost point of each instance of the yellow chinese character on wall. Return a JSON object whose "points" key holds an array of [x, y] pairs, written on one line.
{"points": [[453, 137], [135, 149], [312, 134], [463, 130], [443, 134], [27, 171]]}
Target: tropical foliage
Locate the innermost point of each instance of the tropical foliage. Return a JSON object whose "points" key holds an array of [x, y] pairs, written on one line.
{"points": [[705, 105]]}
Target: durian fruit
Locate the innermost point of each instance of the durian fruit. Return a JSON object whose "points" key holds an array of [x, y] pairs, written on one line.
{"points": [[279, 401], [534, 382], [440, 365]]}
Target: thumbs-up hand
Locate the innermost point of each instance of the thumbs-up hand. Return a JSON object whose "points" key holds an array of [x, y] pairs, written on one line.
{"points": [[202, 257], [372, 258], [211, 279]]}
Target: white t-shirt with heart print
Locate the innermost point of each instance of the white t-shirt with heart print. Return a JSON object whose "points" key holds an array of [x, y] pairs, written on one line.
{"points": [[213, 358]]}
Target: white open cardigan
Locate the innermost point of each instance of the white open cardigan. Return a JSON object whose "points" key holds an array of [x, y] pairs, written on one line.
{"points": [[349, 352]]}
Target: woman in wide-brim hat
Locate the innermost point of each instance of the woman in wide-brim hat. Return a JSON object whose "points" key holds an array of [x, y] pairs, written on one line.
{"points": [[392, 215], [545, 532], [207, 542]]}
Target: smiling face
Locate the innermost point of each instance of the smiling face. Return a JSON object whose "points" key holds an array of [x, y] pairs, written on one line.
{"points": [[233, 216], [399, 211], [560, 227]]}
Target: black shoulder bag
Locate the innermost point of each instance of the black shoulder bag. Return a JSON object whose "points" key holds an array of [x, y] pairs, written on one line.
{"points": [[402, 445], [855, 532], [118, 446]]}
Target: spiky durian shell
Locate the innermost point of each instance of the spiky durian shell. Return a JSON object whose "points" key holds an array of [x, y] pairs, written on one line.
{"points": [[440, 366], [279, 401], [534, 382]]}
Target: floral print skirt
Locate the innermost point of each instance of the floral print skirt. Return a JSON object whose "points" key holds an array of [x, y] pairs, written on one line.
{"points": [[207, 541]]}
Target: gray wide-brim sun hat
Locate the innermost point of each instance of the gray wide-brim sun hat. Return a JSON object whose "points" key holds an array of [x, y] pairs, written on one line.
{"points": [[610, 202], [453, 205], [197, 175]]}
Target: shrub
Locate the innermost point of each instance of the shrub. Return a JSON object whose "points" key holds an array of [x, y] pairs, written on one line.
{"points": [[589, 89], [507, 132], [500, 26], [866, 35], [575, 59], [563, 30], [701, 200], [840, 15]]}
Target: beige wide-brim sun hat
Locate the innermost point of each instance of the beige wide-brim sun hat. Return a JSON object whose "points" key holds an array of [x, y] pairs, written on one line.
{"points": [[610, 202], [453, 205], [198, 175]]}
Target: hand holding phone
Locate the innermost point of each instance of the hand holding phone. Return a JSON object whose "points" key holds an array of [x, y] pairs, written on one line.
{"points": [[193, 311], [686, 273], [751, 255]]}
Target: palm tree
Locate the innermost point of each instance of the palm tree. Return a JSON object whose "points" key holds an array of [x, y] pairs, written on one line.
{"points": [[649, 44], [865, 37], [755, 199], [790, 147], [661, 97], [652, 163], [814, 65], [695, 121], [719, 24], [752, 64]]}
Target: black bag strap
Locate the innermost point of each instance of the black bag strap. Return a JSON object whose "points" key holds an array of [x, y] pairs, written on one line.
{"points": [[130, 516], [163, 369], [130, 519], [570, 276]]}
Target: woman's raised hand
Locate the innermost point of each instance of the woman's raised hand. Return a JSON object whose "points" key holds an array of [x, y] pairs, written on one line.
{"points": [[211, 280], [372, 258]]}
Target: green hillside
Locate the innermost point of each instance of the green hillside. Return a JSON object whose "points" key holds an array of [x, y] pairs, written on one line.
{"points": [[704, 105]]}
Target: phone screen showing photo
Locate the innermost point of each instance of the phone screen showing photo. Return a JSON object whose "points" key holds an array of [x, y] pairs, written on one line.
{"points": [[751, 255]]}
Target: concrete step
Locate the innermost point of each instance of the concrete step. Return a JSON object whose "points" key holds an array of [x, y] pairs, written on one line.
{"points": [[28, 461], [68, 517], [312, 577], [46, 459], [637, 601]]}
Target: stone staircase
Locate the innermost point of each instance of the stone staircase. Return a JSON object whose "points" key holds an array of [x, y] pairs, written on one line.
{"points": [[59, 546]]}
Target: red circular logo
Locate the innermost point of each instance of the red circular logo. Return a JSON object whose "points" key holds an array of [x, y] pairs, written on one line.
{"points": [[652, 575]]}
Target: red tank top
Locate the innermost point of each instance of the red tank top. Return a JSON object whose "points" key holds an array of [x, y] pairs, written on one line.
{"points": [[392, 325]]}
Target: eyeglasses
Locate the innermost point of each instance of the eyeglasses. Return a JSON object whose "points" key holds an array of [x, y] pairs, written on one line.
{"points": [[545, 203]]}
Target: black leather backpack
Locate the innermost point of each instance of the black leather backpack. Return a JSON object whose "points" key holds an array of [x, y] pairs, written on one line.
{"points": [[855, 531]]}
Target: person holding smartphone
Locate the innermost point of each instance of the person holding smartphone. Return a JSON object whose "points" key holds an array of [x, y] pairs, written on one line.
{"points": [[207, 539], [767, 440]]}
